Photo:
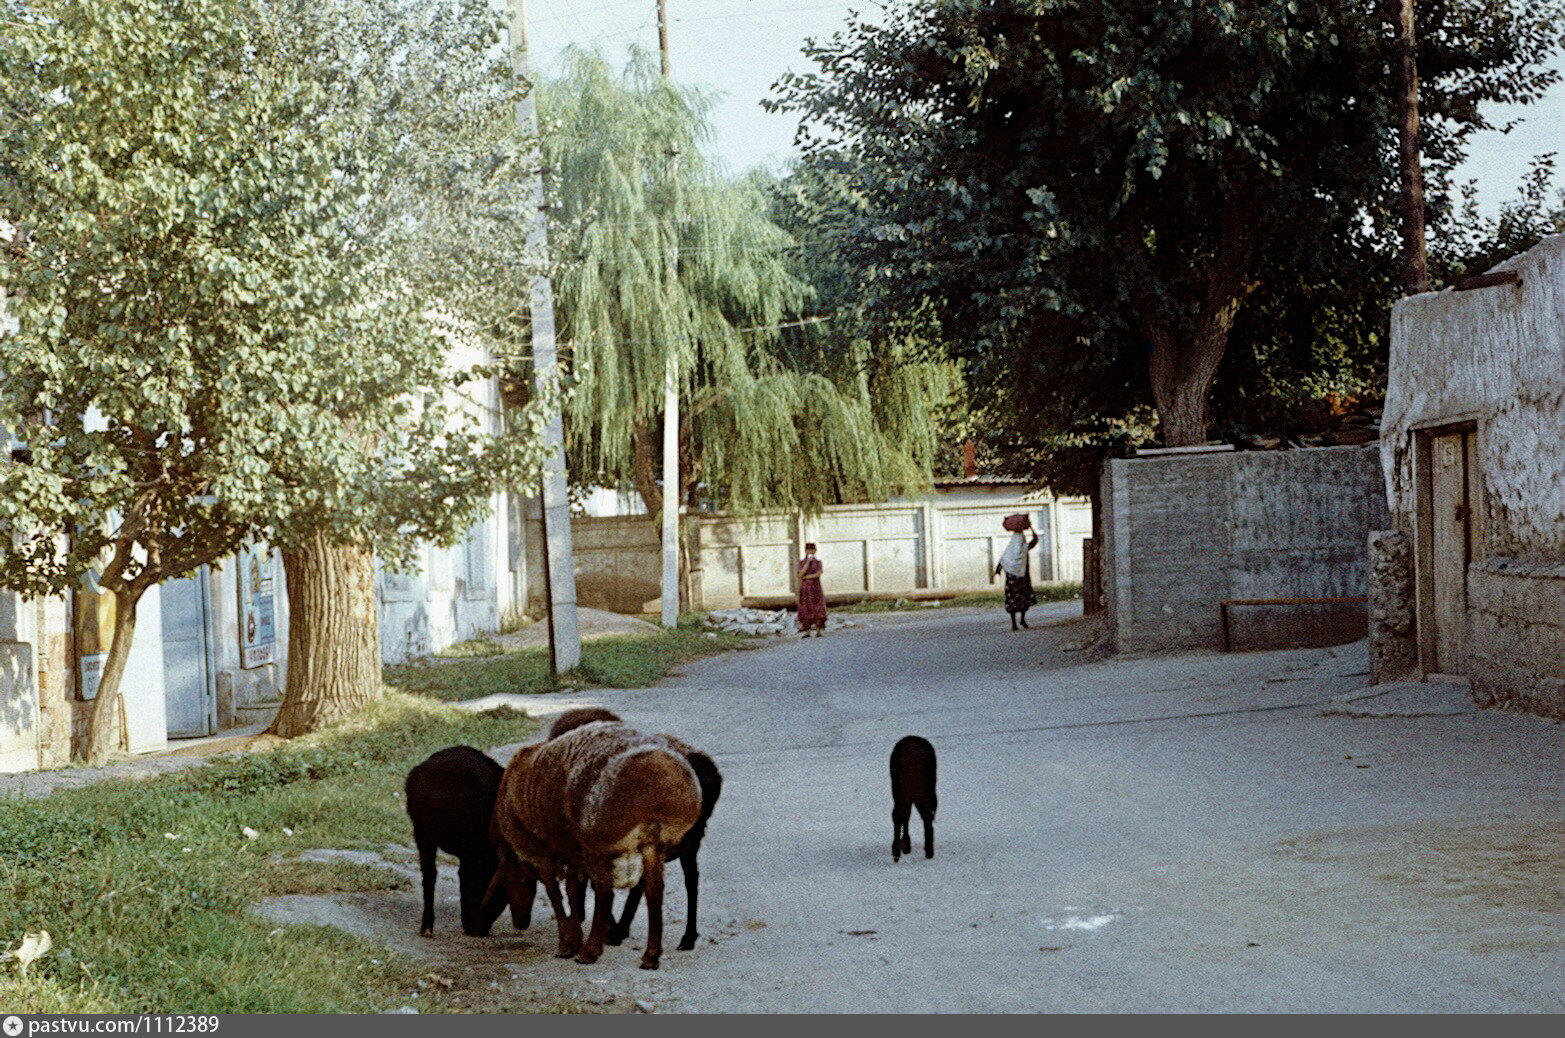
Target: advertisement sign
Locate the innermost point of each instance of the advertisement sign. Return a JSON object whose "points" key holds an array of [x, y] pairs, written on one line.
{"points": [[257, 624], [95, 608]]}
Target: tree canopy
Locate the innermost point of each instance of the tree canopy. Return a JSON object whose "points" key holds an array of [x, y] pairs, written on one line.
{"points": [[222, 327], [663, 257], [1093, 198]]}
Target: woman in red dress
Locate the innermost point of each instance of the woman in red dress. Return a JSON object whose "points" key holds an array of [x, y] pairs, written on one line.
{"points": [[812, 600]]}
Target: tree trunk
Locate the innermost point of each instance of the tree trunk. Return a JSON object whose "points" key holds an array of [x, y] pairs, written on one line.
{"points": [[1182, 370], [333, 635], [644, 470], [106, 707]]}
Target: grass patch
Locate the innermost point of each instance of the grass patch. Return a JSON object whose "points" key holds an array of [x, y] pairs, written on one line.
{"points": [[1064, 591], [145, 885], [615, 661]]}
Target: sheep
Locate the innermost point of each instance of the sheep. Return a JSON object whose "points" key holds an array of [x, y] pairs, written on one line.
{"points": [[605, 802], [711, 781], [912, 785], [450, 799], [578, 716]]}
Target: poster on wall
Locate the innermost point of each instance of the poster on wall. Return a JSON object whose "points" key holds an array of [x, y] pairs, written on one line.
{"points": [[257, 616], [95, 608]]}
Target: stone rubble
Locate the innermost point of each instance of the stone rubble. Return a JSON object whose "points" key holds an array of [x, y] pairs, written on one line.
{"points": [[763, 622]]}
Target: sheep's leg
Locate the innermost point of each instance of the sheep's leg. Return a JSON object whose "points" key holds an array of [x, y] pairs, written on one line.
{"points": [[495, 896], [929, 833], [569, 929], [900, 813], [687, 862], [475, 878], [426, 865], [621, 930], [521, 890], [602, 916], [652, 879], [576, 895]]}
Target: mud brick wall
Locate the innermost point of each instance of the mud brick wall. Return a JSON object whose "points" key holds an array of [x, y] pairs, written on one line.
{"points": [[1183, 533], [1516, 635], [1495, 357]]}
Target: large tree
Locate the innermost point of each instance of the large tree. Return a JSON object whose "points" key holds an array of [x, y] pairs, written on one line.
{"points": [[210, 344], [1093, 192], [664, 258]]}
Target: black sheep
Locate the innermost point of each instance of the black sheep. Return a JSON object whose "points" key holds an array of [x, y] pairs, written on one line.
{"points": [[912, 785], [450, 799]]}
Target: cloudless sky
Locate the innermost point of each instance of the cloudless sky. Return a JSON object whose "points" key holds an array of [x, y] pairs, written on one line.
{"points": [[740, 48]]}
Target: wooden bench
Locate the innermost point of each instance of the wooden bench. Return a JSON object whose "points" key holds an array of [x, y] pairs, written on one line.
{"points": [[1225, 605]]}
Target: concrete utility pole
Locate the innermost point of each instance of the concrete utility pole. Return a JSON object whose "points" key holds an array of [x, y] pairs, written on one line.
{"points": [[1415, 273], [560, 567], [670, 582]]}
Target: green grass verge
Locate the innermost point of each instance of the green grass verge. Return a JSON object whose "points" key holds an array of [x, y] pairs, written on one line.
{"points": [[477, 669], [145, 923], [1061, 592]]}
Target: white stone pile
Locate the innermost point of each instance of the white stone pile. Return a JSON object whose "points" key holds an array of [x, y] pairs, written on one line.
{"points": [[763, 621]]}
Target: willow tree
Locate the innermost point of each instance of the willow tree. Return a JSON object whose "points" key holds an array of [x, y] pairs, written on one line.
{"points": [[664, 258]]}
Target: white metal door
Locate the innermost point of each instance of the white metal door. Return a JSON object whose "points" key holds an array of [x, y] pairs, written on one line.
{"points": [[187, 684]]}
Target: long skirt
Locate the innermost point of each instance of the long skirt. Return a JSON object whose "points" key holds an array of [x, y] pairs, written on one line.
{"points": [[1019, 595], [812, 605]]}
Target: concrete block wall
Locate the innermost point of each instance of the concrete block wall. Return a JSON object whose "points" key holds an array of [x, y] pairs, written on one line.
{"points": [[1185, 532]]}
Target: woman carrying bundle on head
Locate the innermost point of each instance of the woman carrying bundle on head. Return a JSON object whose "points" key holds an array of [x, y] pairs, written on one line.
{"points": [[812, 599], [1019, 595]]}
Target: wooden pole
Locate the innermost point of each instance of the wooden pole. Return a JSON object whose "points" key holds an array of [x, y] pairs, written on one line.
{"points": [[669, 586], [560, 562], [1415, 272]]}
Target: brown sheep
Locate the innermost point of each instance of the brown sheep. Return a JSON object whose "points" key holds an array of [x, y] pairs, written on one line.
{"points": [[576, 717], [711, 781], [607, 801]]}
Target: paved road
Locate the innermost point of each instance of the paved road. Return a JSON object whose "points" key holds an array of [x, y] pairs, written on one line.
{"points": [[1174, 833]]}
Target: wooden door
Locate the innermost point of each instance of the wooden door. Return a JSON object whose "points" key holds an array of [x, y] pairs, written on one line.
{"points": [[1451, 546]]}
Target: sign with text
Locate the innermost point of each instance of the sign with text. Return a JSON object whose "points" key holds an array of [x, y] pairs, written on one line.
{"points": [[257, 608]]}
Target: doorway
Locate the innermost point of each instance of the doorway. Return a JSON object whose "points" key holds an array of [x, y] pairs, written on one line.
{"points": [[1450, 535], [188, 692]]}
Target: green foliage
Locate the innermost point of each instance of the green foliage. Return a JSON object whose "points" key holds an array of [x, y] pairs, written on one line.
{"points": [[146, 923], [1474, 243], [1093, 194], [664, 259], [222, 272]]}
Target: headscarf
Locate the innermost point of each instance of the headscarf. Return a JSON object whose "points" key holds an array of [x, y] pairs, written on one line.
{"points": [[1014, 561]]}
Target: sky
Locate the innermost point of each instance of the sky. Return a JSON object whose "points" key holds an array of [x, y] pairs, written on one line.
{"points": [[740, 48]]}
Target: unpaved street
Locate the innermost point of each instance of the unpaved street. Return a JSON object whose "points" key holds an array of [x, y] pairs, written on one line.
{"points": [[1177, 833]]}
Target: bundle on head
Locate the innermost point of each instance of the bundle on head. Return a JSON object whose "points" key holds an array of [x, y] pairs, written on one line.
{"points": [[450, 799], [603, 801], [1015, 523], [912, 785]]}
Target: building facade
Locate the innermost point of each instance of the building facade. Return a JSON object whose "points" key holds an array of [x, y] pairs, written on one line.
{"points": [[1472, 568]]}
